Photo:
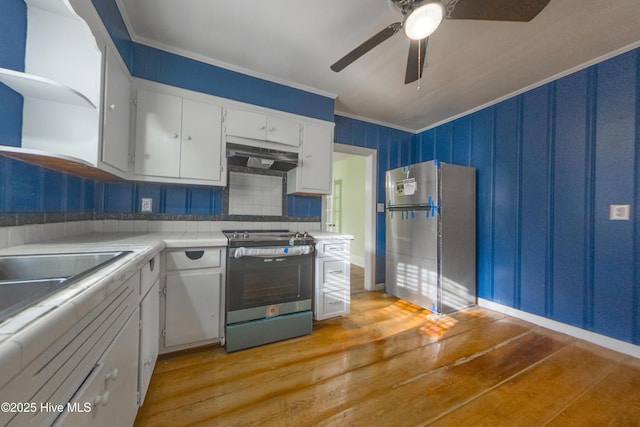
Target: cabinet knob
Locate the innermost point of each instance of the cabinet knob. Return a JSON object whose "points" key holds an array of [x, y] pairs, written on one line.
{"points": [[112, 374], [189, 138], [175, 136], [272, 129], [101, 399], [112, 107], [262, 127]]}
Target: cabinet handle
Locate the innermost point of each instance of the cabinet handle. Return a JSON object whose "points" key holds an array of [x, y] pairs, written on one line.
{"points": [[194, 255], [112, 107], [147, 362], [189, 138], [102, 399], [152, 264], [335, 302], [262, 127], [335, 272], [175, 136], [112, 374], [272, 129]]}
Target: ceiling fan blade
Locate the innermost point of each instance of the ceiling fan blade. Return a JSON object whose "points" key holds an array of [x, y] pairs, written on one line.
{"points": [[366, 46], [414, 69], [498, 10]]}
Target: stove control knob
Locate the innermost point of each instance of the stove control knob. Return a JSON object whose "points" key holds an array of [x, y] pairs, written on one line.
{"points": [[306, 234], [245, 235], [236, 235], [298, 235]]}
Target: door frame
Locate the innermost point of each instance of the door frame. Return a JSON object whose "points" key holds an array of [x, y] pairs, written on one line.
{"points": [[371, 171]]}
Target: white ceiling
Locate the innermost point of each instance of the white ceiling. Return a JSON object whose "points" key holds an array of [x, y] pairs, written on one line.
{"points": [[469, 63]]}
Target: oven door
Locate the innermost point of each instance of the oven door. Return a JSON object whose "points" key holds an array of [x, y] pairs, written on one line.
{"points": [[264, 277]]}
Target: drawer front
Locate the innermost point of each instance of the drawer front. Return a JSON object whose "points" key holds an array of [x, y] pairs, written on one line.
{"points": [[335, 303], [335, 272], [335, 248], [185, 259], [149, 274]]}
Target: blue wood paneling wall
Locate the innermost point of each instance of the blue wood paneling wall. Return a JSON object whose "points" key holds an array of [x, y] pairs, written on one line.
{"points": [[13, 35], [550, 162]]}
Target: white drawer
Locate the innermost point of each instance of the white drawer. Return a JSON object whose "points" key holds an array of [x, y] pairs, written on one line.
{"points": [[149, 274], [335, 248], [335, 303], [334, 272], [185, 259]]}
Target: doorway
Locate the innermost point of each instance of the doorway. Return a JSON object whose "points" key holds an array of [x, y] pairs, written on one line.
{"points": [[333, 211]]}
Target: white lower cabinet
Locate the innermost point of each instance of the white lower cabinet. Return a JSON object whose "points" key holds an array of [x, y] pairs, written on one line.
{"points": [[193, 298], [333, 287], [149, 337], [109, 395]]}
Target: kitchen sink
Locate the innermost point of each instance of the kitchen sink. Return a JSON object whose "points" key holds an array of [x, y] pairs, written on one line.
{"points": [[28, 279]]}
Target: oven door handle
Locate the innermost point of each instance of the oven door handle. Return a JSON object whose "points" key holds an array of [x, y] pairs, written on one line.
{"points": [[286, 251]]}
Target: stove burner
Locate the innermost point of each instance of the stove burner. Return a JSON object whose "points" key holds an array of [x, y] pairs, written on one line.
{"points": [[268, 238]]}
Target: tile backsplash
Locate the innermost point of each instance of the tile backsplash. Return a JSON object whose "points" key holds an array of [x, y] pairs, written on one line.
{"points": [[251, 194]]}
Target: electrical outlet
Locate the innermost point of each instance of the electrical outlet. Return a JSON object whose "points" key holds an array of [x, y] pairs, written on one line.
{"points": [[147, 205], [620, 212]]}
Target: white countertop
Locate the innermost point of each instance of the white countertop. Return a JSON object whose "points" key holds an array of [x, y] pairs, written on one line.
{"points": [[143, 247], [328, 235]]}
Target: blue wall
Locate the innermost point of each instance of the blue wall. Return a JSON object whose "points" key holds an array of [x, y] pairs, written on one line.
{"points": [[550, 162], [13, 35]]}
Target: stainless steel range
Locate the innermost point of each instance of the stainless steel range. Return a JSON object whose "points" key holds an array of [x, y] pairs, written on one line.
{"points": [[269, 287]]}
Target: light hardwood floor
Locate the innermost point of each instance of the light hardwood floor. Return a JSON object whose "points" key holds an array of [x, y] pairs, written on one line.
{"points": [[356, 274], [390, 363]]}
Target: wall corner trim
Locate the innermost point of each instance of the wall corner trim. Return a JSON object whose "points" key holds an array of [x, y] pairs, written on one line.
{"points": [[598, 339]]}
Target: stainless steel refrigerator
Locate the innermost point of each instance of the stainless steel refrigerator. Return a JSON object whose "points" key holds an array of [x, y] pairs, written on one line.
{"points": [[431, 235]]}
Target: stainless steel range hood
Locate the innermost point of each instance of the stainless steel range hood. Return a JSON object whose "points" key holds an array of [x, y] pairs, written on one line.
{"points": [[261, 158]]}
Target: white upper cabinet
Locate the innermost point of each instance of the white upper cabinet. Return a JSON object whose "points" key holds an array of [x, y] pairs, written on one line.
{"points": [[262, 127], [65, 112], [158, 128], [201, 155], [117, 112], [178, 138], [313, 175]]}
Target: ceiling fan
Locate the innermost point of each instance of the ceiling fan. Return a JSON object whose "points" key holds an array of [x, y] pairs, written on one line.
{"points": [[422, 18]]}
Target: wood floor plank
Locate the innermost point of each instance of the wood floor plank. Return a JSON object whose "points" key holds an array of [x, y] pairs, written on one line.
{"points": [[388, 363], [571, 371], [613, 401]]}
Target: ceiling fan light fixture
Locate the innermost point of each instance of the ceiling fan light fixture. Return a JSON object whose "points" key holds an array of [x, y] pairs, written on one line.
{"points": [[423, 20]]}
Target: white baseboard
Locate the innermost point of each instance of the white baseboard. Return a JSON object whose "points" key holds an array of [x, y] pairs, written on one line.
{"points": [[357, 260], [574, 331], [379, 287]]}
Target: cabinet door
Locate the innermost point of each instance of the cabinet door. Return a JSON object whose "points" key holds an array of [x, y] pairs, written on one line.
{"points": [[116, 113], [201, 155], [149, 335], [192, 307], [316, 160], [158, 124], [109, 396], [246, 124], [283, 131]]}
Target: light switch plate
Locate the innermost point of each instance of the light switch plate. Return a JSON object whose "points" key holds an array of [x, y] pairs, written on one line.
{"points": [[619, 212], [147, 205]]}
